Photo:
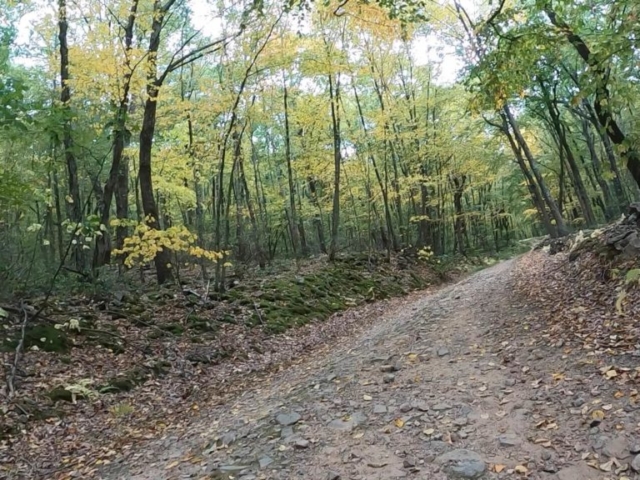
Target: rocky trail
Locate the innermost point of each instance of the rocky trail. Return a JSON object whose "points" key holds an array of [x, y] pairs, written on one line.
{"points": [[456, 384]]}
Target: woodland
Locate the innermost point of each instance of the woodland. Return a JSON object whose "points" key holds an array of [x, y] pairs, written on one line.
{"points": [[184, 181], [131, 137]]}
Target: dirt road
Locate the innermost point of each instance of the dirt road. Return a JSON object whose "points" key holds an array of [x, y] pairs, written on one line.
{"points": [[456, 384]]}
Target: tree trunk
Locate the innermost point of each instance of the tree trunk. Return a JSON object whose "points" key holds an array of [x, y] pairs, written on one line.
{"points": [[293, 216], [534, 191], [149, 206], [544, 191], [118, 179], [334, 95], [602, 102], [74, 203]]}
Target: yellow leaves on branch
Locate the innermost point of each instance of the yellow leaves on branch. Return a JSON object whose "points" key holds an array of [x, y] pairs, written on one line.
{"points": [[146, 242]]}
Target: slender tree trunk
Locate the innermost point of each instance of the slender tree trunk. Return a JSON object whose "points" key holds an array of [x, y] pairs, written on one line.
{"points": [[602, 102], [553, 206], [334, 95], [117, 181], [618, 184], [293, 215], [317, 219], [74, 201], [383, 188], [534, 191], [597, 170], [563, 144]]}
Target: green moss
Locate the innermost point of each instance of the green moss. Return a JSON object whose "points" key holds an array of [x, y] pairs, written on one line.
{"points": [[194, 322], [44, 337], [60, 394], [173, 328]]}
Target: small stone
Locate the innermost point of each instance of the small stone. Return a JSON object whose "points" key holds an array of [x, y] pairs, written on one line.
{"points": [[549, 467], [578, 402], [287, 419], [635, 449], [617, 447], [389, 378], [510, 382], [443, 352], [301, 444], [381, 359], [264, 462], [408, 463], [635, 463], [232, 468], [379, 409], [333, 476], [349, 423], [462, 464], [440, 407], [508, 440], [227, 439], [422, 406], [405, 407], [388, 368], [460, 422], [545, 455]]}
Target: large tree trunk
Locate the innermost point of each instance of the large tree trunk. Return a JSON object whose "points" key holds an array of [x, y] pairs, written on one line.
{"points": [[149, 206]]}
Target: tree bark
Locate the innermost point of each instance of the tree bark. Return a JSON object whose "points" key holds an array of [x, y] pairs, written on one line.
{"points": [[74, 203], [118, 179], [149, 205], [334, 95], [544, 191]]}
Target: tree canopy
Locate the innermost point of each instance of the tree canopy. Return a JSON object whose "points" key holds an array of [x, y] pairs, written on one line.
{"points": [[212, 133]]}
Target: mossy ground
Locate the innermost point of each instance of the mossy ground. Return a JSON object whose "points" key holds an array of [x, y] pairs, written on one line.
{"points": [[292, 300]]}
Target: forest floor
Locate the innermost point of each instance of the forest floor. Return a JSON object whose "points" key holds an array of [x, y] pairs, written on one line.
{"points": [[528, 369]]}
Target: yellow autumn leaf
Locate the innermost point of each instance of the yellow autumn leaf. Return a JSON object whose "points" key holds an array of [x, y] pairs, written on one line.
{"points": [[172, 465], [399, 422], [597, 415], [498, 468]]}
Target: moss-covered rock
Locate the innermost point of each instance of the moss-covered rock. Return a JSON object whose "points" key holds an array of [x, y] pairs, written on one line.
{"points": [[44, 337], [61, 394]]}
